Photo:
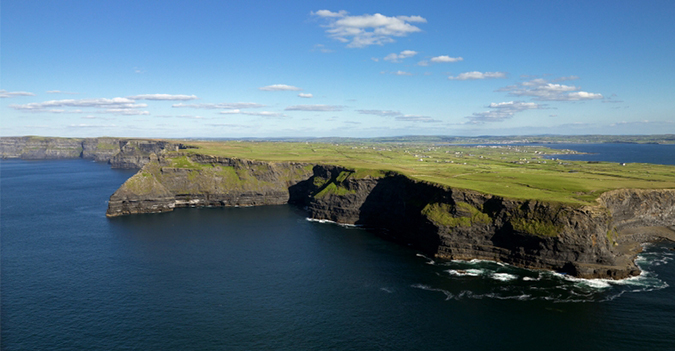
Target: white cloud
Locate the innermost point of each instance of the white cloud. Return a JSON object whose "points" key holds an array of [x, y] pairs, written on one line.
{"points": [[222, 105], [542, 90], [164, 97], [318, 108], [8, 94], [307, 96], [279, 87], [398, 57], [230, 112], [366, 30], [120, 106], [478, 75], [445, 59], [327, 13], [502, 111], [582, 95], [402, 73], [423, 63]]}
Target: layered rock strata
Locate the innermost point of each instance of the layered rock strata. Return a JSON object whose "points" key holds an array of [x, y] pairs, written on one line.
{"points": [[119, 153], [598, 241]]}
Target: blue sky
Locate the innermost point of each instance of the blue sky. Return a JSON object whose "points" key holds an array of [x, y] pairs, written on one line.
{"points": [[336, 68]]}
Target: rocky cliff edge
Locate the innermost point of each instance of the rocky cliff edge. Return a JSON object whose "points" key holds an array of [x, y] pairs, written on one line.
{"points": [[598, 241]]}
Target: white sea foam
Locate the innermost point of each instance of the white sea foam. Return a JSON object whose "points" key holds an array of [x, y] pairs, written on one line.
{"points": [[323, 221], [429, 261], [503, 276], [466, 272], [476, 261], [448, 295]]}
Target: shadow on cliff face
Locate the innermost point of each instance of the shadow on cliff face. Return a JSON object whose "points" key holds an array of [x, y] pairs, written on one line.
{"points": [[395, 204]]}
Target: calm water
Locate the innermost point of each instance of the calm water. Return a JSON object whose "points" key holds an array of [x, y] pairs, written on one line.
{"points": [[627, 153], [266, 278]]}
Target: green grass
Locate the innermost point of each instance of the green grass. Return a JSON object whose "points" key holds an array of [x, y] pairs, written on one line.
{"points": [[536, 227], [508, 171], [465, 215]]}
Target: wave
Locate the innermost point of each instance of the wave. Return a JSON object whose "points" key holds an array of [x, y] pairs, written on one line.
{"points": [[478, 279], [323, 221]]}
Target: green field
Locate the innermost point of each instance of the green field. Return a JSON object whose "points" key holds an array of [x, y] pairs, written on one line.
{"points": [[509, 171]]}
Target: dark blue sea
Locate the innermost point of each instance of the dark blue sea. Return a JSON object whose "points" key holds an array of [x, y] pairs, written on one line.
{"points": [[621, 153], [266, 278]]}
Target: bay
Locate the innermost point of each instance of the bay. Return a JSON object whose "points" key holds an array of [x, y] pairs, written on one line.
{"points": [[266, 278]]}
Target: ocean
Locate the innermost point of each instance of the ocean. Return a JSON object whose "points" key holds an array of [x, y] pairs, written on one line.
{"points": [[266, 278]]}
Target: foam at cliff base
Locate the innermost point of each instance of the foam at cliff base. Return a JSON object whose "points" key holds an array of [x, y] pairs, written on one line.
{"points": [[323, 221], [478, 279]]}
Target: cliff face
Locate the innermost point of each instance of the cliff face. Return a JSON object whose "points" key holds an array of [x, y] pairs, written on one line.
{"points": [[120, 153], [591, 241], [199, 180]]}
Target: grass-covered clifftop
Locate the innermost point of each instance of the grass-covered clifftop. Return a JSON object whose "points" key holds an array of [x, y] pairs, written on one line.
{"points": [[510, 171]]}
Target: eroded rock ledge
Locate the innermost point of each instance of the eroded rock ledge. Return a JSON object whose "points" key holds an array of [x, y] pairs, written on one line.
{"points": [[598, 241]]}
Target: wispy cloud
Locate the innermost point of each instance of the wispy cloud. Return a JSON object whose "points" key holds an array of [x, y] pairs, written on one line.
{"points": [[190, 117], [163, 97], [561, 79], [393, 57], [317, 108], [221, 106], [268, 114], [306, 96], [322, 48], [416, 118], [502, 111], [8, 94], [478, 75], [365, 30], [118, 105], [542, 90], [398, 116], [611, 100], [279, 87], [402, 73], [383, 113]]}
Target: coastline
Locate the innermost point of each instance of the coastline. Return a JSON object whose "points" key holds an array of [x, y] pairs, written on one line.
{"points": [[591, 241]]}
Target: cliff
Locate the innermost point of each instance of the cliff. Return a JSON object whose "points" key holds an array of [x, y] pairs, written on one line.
{"points": [[586, 241], [182, 180], [119, 153]]}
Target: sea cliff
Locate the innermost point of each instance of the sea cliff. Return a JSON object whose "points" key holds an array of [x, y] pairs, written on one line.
{"points": [[119, 153], [592, 241]]}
